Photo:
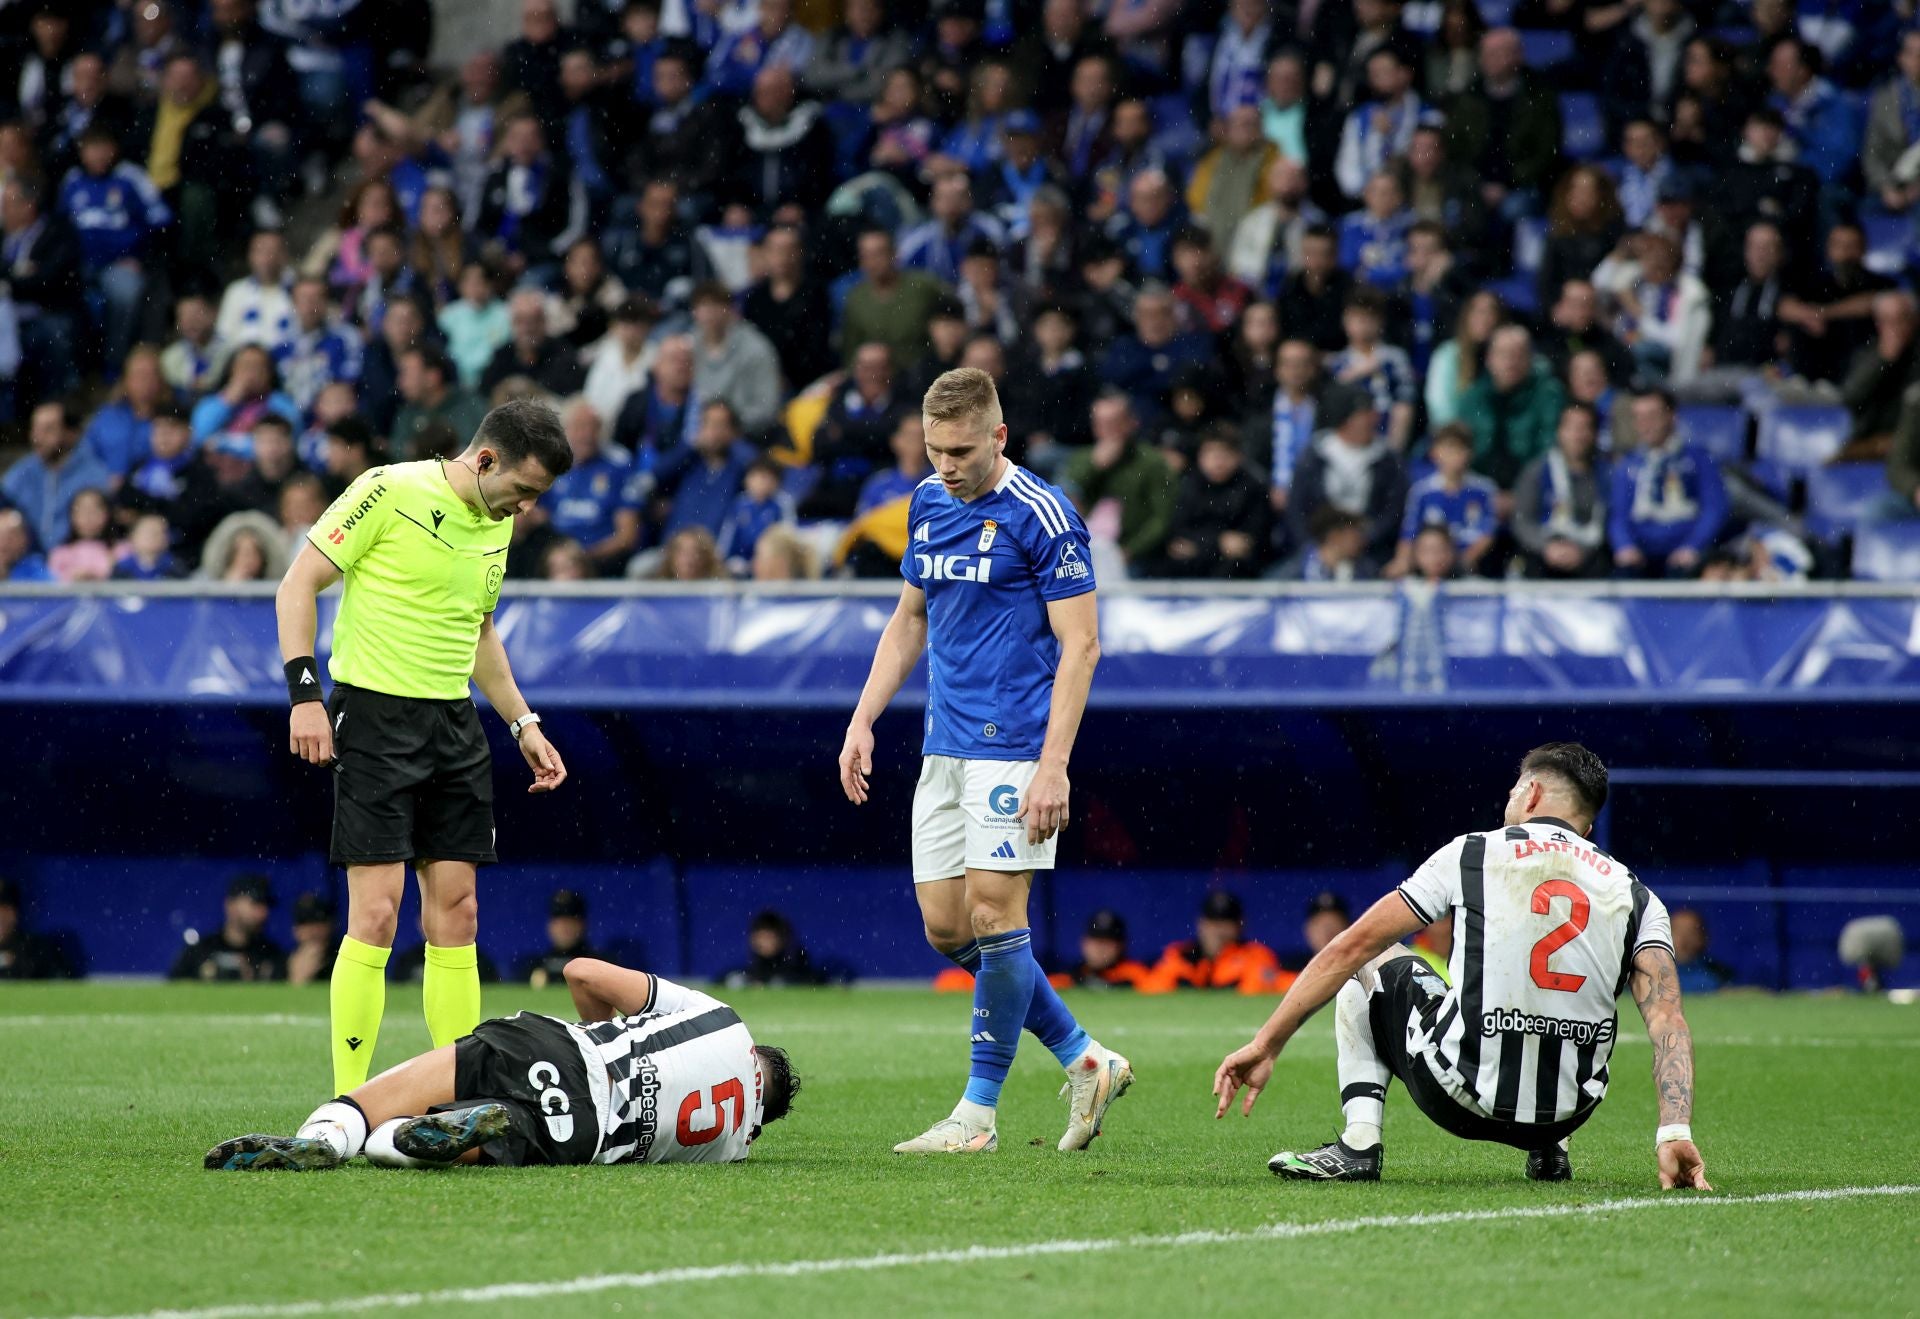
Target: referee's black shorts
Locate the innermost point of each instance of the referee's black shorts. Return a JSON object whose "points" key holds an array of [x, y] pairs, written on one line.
{"points": [[531, 1066], [412, 779], [1408, 986]]}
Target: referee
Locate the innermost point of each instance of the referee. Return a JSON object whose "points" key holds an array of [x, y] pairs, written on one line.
{"points": [[423, 547]]}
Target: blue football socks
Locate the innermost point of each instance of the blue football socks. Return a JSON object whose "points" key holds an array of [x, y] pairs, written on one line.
{"points": [[1048, 1017], [1002, 994]]}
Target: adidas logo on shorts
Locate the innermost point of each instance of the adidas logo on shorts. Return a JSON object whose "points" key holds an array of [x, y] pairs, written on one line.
{"points": [[1004, 852]]}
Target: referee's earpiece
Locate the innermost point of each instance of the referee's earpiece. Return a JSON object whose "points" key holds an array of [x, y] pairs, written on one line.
{"points": [[486, 461]]}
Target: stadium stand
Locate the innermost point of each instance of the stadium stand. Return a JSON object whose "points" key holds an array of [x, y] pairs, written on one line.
{"points": [[185, 180]]}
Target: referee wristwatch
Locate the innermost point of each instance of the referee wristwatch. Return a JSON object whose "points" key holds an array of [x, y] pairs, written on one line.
{"points": [[519, 726]]}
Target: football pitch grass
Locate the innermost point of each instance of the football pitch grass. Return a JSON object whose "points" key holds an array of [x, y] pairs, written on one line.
{"points": [[1806, 1115]]}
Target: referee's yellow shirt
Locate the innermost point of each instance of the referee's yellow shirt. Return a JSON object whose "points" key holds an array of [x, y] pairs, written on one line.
{"points": [[422, 570]]}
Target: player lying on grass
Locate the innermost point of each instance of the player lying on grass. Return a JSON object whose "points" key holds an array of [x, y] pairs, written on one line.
{"points": [[653, 1072], [1548, 930]]}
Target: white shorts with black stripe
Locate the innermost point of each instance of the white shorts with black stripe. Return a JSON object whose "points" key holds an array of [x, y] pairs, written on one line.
{"points": [[964, 819]]}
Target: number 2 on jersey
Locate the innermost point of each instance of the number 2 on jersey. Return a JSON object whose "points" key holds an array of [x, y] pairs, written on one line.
{"points": [[1560, 935], [684, 1130]]}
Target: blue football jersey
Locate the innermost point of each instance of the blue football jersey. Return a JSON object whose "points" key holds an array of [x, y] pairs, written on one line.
{"points": [[989, 568]]}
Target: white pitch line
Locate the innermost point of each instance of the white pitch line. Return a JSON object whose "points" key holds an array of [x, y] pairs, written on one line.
{"points": [[807, 1268]]}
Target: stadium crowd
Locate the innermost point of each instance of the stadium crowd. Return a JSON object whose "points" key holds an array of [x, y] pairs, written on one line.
{"points": [[1311, 289]]}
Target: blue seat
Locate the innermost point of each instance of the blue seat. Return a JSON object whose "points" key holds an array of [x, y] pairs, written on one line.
{"points": [[1720, 430], [1496, 13], [1583, 130], [1838, 495], [1545, 50], [1887, 552], [1803, 435]]}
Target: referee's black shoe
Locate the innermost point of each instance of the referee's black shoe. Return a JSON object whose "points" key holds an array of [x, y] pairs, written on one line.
{"points": [[1549, 1165], [444, 1137], [1335, 1162]]}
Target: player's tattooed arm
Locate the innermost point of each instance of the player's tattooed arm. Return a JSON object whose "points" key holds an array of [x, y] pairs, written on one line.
{"points": [[1656, 990]]}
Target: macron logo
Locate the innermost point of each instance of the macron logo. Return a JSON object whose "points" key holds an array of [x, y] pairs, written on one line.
{"points": [[306, 677]]}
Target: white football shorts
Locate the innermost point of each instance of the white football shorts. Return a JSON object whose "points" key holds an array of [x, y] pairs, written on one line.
{"points": [[963, 818]]}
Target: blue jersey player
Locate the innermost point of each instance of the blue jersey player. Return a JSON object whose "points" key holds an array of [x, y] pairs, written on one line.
{"points": [[1000, 594]]}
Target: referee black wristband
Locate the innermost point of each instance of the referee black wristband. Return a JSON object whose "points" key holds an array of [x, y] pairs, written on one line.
{"points": [[303, 681]]}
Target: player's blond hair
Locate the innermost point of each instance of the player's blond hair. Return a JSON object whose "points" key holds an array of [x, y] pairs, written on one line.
{"points": [[964, 394]]}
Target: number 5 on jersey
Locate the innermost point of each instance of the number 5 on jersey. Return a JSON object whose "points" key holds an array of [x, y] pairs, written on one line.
{"points": [[689, 1135], [1560, 935]]}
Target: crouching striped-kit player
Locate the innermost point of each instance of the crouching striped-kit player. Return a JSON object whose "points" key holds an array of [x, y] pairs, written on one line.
{"points": [[1548, 931], [1000, 594], [653, 1072]]}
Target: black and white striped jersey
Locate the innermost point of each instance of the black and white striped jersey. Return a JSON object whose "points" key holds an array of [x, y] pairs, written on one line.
{"points": [[1545, 928], [682, 1080]]}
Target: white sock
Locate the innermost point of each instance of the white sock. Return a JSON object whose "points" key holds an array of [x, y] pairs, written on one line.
{"points": [[1363, 1075], [1361, 1135], [974, 1115], [381, 1153], [341, 1124]]}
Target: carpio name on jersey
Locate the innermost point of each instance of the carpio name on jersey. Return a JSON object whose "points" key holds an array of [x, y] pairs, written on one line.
{"points": [[1531, 846]]}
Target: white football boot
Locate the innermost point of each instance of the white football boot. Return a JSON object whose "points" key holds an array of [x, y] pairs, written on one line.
{"points": [[952, 1135], [1096, 1078]]}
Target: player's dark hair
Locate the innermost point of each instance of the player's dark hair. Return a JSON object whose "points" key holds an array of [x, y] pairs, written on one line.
{"points": [[1573, 765], [780, 1083], [527, 428]]}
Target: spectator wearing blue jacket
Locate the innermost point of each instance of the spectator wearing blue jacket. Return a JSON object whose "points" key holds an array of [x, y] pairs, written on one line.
{"points": [[776, 41], [1373, 239], [699, 482], [250, 387], [42, 484], [116, 211], [19, 561], [1824, 124], [1668, 503], [1454, 498], [1144, 363], [595, 502], [1145, 229], [322, 349], [940, 245], [759, 507], [120, 432]]}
